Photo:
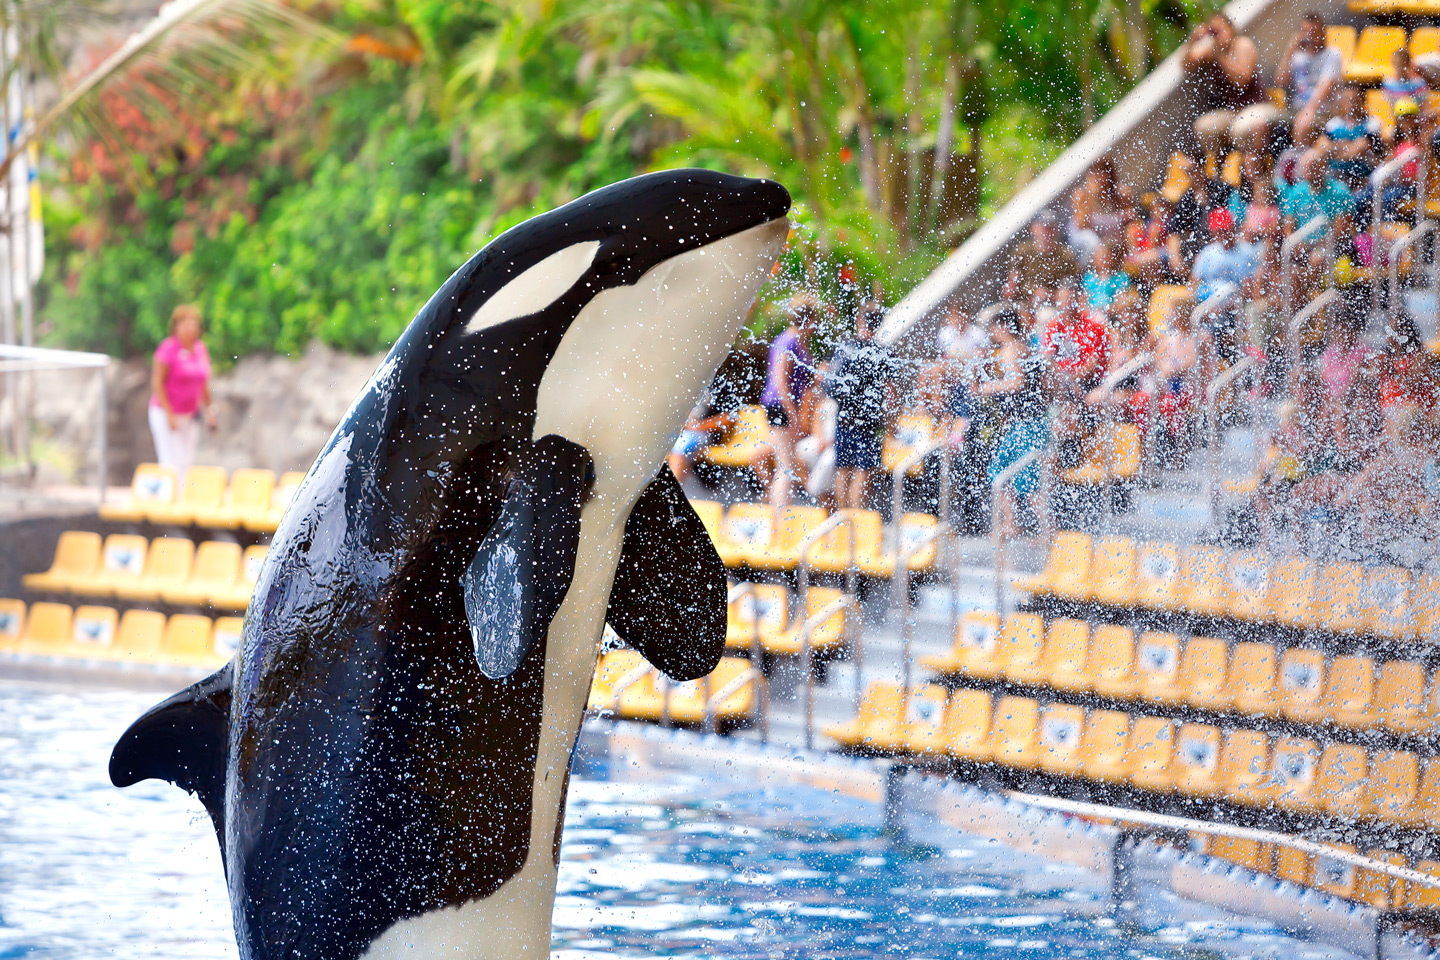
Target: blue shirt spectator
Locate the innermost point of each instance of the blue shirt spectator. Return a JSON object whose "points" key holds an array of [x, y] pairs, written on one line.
{"points": [[1223, 261], [1102, 283], [1314, 194]]}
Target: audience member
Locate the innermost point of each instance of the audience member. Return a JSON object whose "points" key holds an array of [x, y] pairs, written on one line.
{"points": [[790, 371], [1404, 81], [1314, 194], [1352, 140], [709, 423], [861, 382], [1102, 283], [1100, 208], [1184, 364], [180, 391], [1310, 66], [1016, 391], [1041, 262], [1078, 347], [1226, 66], [1224, 265]]}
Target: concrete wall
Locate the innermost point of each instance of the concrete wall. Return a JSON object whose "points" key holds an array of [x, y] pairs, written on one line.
{"points": [[1140, 133]]}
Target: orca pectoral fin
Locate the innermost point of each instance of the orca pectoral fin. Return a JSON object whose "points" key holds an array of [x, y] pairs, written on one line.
{"points": [[668, 599], [519, 576], [183, 740]]}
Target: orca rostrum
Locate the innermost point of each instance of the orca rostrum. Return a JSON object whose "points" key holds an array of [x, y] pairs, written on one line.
{"points": [[386, 758]]}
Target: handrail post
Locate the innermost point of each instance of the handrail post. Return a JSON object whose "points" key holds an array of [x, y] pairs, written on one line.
{"points": [[897, 489], [807, 658], [1107, 391], [1321, 301], [907, 623], [1412, 235], [1212, 420], [996, 486], [1287, 248], [737, 593], [1382, 175]]}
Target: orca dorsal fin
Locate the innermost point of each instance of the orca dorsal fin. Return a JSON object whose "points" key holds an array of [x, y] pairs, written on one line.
{"points": [[668, 598], [183, 740]]}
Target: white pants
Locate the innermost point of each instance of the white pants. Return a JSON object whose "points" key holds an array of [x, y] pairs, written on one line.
{"points": [[173, 448]]}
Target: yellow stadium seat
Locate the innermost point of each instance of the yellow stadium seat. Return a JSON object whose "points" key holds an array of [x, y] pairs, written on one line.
{"points": [[1425, 606], [167, 565], [1202, 679], [1350, 693], [1061, 728], [1022, 648], [1015, 732], [1292, 588], [1422, 896], [151, 486], [1380, 890], [237, 597], [1241, 851], [746, 530], [247, 496], [1067, 651], [1245, 775], [1195, 766], [1424, 41], [912, 529], [782, 551], [740, 448], [826, 635], [1393, 786], [1427, 797], [139, 636], [1105, 746], [12, 623], [1157, 668], [1152, 744], [1252, 679], [967, 726], [1112, 661], [1294, 764], [1378, 106], [188, 640], [227, 636], [1113, 575], [1371, 61], [1340, 780], [1158, 576], [1387, 603], [1162, 300], [77, 558], [1112, 454], [914, 430], [864, 534], [687, 699], [216, 568], [756, 616], [280, 499], [1293, 865], [640, 700], [1230, 173], [122, 560], [1248, 576], [203, 489], [1342, 39], [880, 722], [711, 514], [1302, 683], [48, 626], [1338, 604], [976, 651], [1334, 876], [1067, 571], [92, 631], [927, 711], [1400, 697], [1204, 586], [611, 668]]}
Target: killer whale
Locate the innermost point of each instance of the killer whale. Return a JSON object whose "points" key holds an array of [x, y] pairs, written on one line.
{"points": [[385, 758]]}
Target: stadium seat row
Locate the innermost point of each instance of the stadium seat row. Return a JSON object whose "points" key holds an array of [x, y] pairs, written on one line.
{"points": [[1204, 673], [248, 499], [759, 613], [171, 569], [102, 633], [1367, 56], [1247, 585], [1247, 767], [645, 691], [748, 535], [1332, 875]]}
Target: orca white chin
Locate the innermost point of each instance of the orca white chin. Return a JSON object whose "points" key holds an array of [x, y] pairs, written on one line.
{"points": [[625, 375]]}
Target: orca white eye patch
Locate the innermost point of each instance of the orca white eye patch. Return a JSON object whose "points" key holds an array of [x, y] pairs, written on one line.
{"points": [[535, 288]]}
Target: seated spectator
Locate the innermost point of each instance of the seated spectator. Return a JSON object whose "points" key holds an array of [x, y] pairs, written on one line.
{"points": [[1224, 264], [1310, 66], [1014, 392], [1078, 348], [1346, 353], [1185, 227], [1405, 81], [1130, 337], [1226, 69], [861, 382], [709, 423], [1399, 189], [959, 338], [1255, 210], [1040, 262], [1352, 139], [1314, 194], [1100, 207], [1184, 364], [1263, 295], [1102, 283]]}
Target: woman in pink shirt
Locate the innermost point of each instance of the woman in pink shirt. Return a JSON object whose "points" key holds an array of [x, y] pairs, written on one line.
{"points": [[179, 389]]}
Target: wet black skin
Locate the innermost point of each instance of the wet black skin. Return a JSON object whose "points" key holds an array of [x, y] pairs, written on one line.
{"points": [[371, 772]]}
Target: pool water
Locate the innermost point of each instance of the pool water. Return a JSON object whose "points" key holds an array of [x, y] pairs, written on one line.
{"points": [[680, 868]]}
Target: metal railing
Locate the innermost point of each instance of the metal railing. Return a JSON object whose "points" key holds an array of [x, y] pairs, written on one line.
{"points": [[1321, 301], [737, 593], [1287, 249], [900, 599], [996, 485], [807, 656], [1382, 175], [1106, 390], [711, 699], [1212, 425], [897, 486], [1215, 301], [22, 360], [833, 522], [1416, 233]]}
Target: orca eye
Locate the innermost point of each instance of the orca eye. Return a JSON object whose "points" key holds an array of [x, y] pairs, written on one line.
{"points": [[535, 288]]}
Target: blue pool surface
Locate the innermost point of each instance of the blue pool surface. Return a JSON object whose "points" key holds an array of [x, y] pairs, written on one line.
{"points": [[683, 867]]}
